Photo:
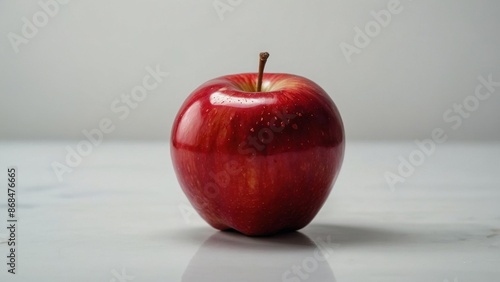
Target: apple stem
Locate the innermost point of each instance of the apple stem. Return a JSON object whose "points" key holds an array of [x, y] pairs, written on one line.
{"points": [[263, 59]]}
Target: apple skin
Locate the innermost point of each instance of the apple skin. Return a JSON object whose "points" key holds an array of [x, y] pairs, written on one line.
{"points": [[258, 162]]}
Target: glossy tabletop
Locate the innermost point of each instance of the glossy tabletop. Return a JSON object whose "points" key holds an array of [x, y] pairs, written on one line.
{"points": [[120, 215]]}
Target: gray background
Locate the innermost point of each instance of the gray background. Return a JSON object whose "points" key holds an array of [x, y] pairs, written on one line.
{"points": [[427, 59]]}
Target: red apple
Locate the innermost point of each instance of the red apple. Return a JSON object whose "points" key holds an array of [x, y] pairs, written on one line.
{"points": [[259, 162]]}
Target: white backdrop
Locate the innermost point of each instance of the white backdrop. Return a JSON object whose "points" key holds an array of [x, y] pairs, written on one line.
{"points": [[64, 65]]}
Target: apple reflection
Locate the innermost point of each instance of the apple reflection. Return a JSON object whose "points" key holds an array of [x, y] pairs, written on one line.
{"points": [[229, 256]]}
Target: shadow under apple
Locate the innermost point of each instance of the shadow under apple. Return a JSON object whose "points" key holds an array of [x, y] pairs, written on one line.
{"points": [[229, 256]]}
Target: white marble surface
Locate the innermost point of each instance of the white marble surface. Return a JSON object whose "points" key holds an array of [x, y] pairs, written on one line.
{"points": [[122, 212]]}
